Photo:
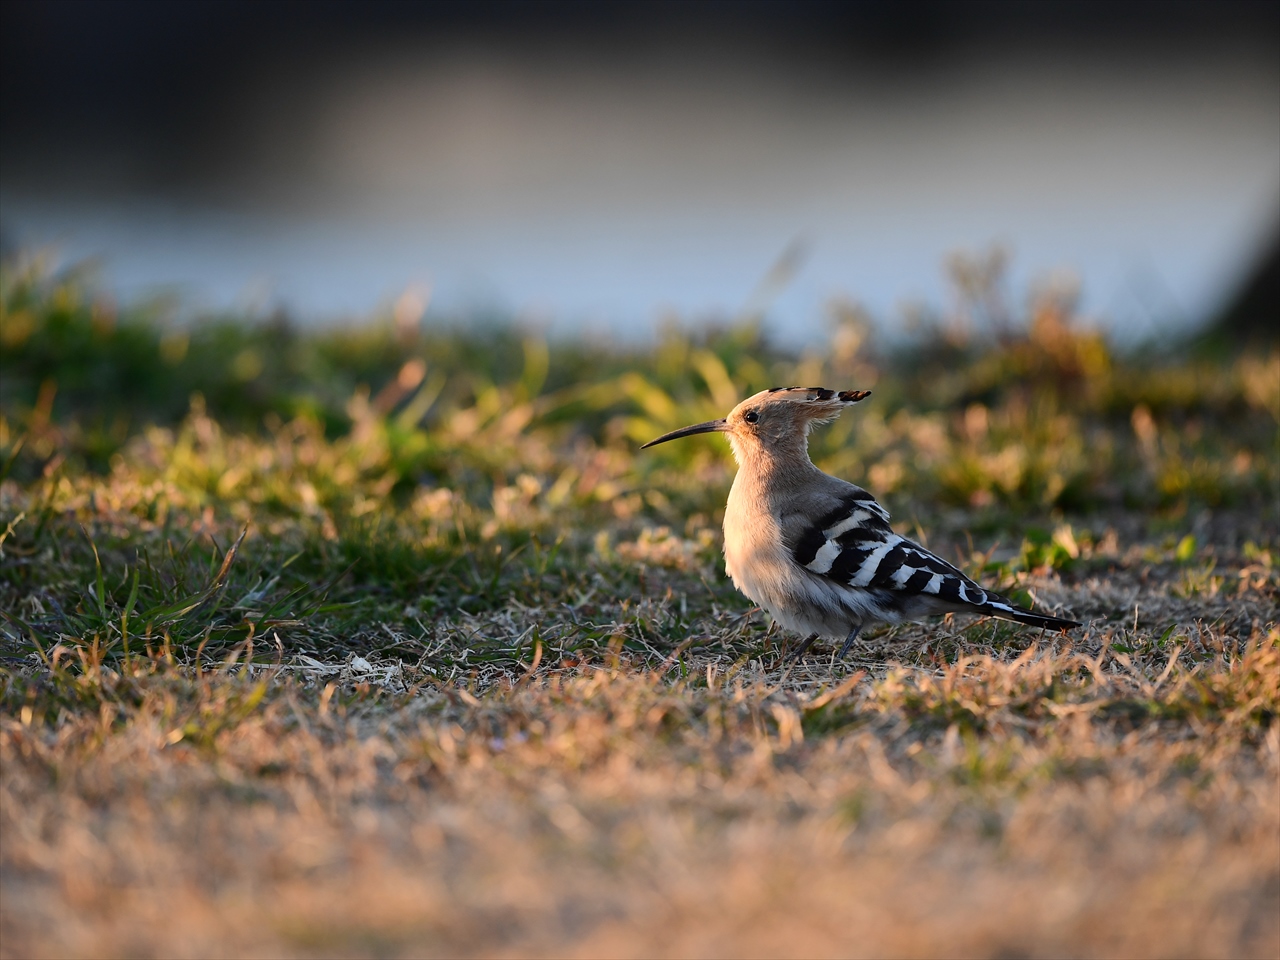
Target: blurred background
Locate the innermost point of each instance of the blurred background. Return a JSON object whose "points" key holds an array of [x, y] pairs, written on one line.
{"points": [[607, 168]]}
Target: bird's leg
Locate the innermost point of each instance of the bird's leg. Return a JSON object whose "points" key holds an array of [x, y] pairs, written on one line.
{"points": [[848, 641], [799, 651]]}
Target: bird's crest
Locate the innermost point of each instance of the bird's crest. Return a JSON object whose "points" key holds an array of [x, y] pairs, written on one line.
{"points": [[819, 394], [813, 404]]}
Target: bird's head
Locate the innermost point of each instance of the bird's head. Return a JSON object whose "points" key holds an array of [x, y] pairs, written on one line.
{"points": [[773, 422]]}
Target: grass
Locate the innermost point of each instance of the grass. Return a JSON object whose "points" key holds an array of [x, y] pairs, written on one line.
{"points": [[384, 641]]}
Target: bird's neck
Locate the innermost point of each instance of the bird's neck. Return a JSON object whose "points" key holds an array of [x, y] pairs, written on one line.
{"points": [[776, 467]]}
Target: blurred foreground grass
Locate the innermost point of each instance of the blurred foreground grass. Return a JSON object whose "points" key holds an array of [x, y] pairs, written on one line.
{"points": [[384, 640]]}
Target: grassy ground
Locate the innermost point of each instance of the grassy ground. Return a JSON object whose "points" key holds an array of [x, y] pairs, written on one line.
{"points": [[381, 642]]}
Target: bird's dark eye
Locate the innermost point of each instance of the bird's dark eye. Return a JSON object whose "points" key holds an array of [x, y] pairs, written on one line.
{"points": [[751, 416]]}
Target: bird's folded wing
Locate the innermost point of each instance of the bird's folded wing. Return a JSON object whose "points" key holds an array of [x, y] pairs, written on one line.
{"points": [[851, 542]]}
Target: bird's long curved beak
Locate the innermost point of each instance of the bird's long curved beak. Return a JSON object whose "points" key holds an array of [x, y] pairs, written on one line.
{"points": [[711, 426]]}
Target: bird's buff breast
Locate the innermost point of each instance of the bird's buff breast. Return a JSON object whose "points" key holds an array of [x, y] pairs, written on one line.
{"points": [[758, 560], [755, 558]]}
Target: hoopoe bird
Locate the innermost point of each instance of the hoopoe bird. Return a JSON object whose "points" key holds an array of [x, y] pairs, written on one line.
{"points": [[817, 552]]}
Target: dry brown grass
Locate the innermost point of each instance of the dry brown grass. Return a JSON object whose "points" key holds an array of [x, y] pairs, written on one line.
{"points": [[1041, 804]]}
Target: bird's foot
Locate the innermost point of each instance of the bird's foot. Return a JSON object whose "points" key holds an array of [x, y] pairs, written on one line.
{"points": [[798, 652], [848, 642]]}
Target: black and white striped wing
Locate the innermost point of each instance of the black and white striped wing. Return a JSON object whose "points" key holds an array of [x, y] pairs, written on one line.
{"points": [[854, 545]]}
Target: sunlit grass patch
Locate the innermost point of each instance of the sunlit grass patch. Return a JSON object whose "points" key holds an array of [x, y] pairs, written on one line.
{"points": [[389, 642], [347, 793]]}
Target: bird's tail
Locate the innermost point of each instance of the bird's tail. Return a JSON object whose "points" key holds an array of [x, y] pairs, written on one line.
{"points": [[1004, 609], [1033, 619]]}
